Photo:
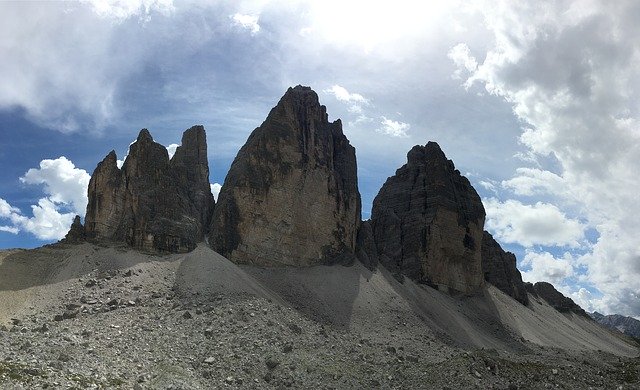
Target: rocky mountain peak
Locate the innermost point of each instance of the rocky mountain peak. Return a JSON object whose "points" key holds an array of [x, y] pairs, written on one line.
{"points": [[144, 136], [151, 204], [427, 222], [291, 195]]}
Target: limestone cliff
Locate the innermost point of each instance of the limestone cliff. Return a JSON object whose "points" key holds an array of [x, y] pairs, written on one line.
{"points": [[291, 195], [499, 268], [427, 223], [152, 203]]}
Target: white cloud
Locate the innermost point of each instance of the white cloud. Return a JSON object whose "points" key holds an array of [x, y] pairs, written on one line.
{"points": [[6, 210], [171, 149], [124, 9], [9, 229], [62, 182], [544, 267], [249, 22], [570, 71], [215, 190], [461, 57], [66, 190], [393, 128], [528, 225], [355, 100], [533, 181]]}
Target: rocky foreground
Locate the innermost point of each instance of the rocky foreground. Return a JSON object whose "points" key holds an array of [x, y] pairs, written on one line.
{"points": [[105, 317]]}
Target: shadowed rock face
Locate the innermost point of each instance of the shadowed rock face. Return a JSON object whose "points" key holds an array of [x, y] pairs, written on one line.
{"points": [[291, 195], [555, 298], [76, 233], [427, 222], [499, 268], [152, 203]]}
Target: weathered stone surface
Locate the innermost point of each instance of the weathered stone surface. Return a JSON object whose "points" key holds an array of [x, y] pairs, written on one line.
{"points": [[76, 232], [291, 195], [554, 298], [428, 221], [499, 268], [366, 251], [152, 203], [190, 167]]}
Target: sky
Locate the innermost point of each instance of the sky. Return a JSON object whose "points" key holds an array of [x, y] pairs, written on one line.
{"points": [[537, 103]]}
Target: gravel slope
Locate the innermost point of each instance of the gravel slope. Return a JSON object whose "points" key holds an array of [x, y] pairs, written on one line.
{"points": [[105, 317]]}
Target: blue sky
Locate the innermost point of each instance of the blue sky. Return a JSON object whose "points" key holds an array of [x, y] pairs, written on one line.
{"points": [[536, 103]]}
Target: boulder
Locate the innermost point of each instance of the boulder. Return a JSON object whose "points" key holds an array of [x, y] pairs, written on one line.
{"points": [[427, 222], [152, 203], [291, 195], [499, 268]]}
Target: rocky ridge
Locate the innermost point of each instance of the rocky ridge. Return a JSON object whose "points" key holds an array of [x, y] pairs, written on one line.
{"points": [[555, 298], [152, 203], [499, 268], [627, 325], [291, 195], [427, 220]]}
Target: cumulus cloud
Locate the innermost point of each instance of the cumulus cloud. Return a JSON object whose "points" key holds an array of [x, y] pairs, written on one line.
{"points": [[355, 100], [570, 71], [543, 266], [533, 181], [66, 190], [62, 182], [393, 128], [215, 190], [249, 22], [538, 224]]}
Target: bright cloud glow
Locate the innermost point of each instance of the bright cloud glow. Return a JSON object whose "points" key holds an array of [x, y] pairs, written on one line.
{"points": [[249, 22], [528, 225], [533, 181], [123, 9], [545, 267], [393, 128], [171, 149], [355, 100], [215, 190]]}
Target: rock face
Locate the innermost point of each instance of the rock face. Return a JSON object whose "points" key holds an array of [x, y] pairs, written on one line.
{"points": [[366, 251], [291, 195], [499, 268], [76, 233], [427, 222], [152, 203], [554, 298]]}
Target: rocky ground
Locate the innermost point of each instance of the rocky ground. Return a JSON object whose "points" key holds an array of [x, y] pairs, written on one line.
{"points": [[136, 327]]}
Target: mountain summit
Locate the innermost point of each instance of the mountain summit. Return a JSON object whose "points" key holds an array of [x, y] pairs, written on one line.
{"points": [[152, 203], [291, 195]]}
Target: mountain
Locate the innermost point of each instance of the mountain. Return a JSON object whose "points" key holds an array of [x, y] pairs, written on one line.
{"points": [[291, 195], [427, 222], [627, 325], [152, 203], [274, 298]]}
